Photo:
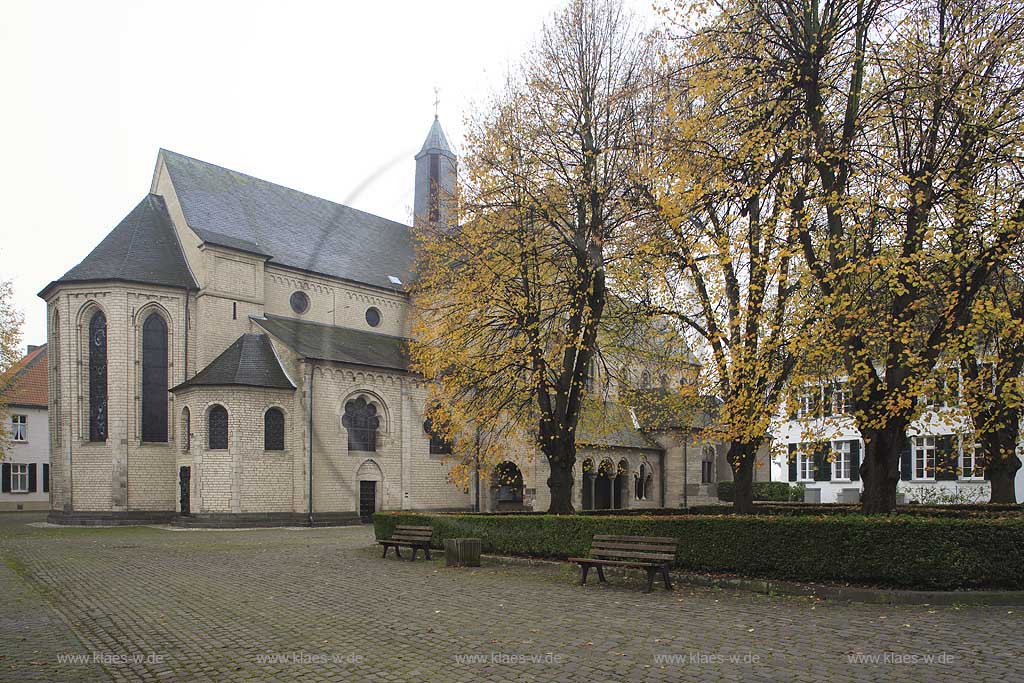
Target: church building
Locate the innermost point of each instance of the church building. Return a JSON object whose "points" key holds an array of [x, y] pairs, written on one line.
{"points": [[235, 352]]}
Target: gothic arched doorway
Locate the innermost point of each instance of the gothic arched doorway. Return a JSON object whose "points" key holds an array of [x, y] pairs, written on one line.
{"points": [[603, 496], [588, 484], [620, 494], [370, 479], [507, 483]]}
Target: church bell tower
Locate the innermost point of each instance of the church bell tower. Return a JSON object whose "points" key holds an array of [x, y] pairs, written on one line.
{"points": [[435, 179]]}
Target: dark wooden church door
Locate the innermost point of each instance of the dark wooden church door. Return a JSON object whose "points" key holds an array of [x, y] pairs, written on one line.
{"points": [[185, 479], [367, 500]]}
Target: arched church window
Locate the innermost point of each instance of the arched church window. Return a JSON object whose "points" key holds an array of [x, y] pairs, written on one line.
{"points": [[439, 445], [707, 464], [217, 426], [186, 428], [98, 377], [273, 430], [640, 483], [361, 421], [154, 379]]}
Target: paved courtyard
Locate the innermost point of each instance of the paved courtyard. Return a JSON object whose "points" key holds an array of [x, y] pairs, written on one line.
{"points": [[320, 605]]}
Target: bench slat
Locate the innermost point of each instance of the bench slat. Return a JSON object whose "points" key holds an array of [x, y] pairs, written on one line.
{"points": [[614, 563], [648, 539], [406, 527], [626, 554], [657, 547]]}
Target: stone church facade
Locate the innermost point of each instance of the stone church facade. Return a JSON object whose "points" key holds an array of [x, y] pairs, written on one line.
{"points": [[234, 352]]}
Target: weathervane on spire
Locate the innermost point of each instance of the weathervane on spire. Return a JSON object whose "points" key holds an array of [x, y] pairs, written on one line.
{"points": [[437, 99]]}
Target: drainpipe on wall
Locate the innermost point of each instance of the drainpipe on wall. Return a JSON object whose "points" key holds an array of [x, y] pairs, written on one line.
{"points": [[309, 464], [661, 468], [185, 373], [476, 472], [686, 468]]}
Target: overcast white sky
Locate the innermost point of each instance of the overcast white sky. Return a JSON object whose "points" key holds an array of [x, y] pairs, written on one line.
{"points": [[332, 98]]}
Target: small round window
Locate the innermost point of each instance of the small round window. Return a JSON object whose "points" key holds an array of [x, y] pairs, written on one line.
{"points": [[373, 316], [299, 302]]}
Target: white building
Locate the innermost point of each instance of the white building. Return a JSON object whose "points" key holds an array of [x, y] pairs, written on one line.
{"points": [[25, 480], [823, 452]]}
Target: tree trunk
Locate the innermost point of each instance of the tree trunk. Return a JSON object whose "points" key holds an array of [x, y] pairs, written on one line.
{"points": [[880, 468], [1004, 463], [741, 457], [560, 482]]}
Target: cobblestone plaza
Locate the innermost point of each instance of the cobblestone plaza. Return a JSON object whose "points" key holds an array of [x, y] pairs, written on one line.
{"points": [[145, 603]]}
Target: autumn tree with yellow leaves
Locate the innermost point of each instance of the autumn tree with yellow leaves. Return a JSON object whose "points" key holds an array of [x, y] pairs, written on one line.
{"points": [[993, 386], [907, 111], [510, 303], [719, 261]]}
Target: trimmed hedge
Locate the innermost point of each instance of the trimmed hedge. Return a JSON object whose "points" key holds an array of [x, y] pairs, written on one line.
{"points": [[779, 508], [943, 511], [898, 551], [778, 491]]}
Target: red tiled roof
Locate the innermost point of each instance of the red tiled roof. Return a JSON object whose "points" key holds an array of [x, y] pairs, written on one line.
{"points": [[24, 384]]}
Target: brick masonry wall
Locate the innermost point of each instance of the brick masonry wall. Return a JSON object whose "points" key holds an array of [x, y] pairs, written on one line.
{"points": [[109, 476], [245, 477]]}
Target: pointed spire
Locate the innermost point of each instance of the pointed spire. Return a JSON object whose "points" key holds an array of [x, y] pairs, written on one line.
{"points": [[436, 142]]}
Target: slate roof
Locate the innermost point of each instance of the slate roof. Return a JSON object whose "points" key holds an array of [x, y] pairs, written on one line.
{"points": [[664, 410], [24, 383], [293, 229], [436, 141], [141, 248], [611, 425], [250, 362], [326, 342]]}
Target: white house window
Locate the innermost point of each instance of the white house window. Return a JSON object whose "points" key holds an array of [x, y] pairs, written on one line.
{"points": [[924, 457], [841, 460], [805, 463], [969, 463], [809, 398], [842, 402], [19, 428], [19, 478]]}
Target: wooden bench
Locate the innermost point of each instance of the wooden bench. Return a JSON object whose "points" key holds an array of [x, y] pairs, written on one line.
{"points": [[414, 537], [654, 554]]}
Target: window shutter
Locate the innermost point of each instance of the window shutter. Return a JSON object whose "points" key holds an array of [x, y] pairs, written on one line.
{"points": [[822, 467], [5, 478], [906, 462], [32, 478], [946, 464], [46, 478], [855, 460], [792, 462], [827, 407]]}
